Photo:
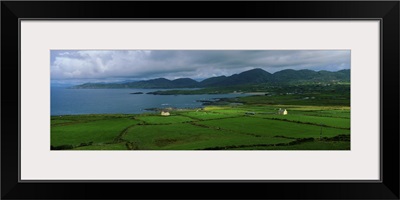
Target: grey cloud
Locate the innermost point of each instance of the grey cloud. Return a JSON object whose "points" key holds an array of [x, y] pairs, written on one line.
{"points": [[197, 64]]}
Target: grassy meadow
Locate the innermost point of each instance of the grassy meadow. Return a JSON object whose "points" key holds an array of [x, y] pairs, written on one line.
{"points": [[253, 125]]}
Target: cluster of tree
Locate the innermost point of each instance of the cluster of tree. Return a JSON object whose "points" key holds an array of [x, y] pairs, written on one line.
{"points": [[297, 141], [132, 145], [61, 147], [341, 137], [68, 146]]}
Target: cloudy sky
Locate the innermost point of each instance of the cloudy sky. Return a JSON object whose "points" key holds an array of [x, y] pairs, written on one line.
{"points": [[82, 66]]}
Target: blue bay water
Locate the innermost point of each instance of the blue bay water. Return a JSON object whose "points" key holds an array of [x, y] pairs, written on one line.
{"points": [[112, 101]]}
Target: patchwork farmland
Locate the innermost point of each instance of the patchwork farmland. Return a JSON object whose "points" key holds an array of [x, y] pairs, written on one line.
{"points": [[225, 127]]}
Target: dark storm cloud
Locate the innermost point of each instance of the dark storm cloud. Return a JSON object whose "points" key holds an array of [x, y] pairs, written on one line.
{"points": [[196, 64]]}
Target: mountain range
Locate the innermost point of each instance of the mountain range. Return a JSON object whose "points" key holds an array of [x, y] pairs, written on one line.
{"points": [[250, 77]]}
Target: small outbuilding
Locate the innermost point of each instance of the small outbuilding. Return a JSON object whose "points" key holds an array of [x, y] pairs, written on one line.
{"points": [[282, 111], [165, 113]]}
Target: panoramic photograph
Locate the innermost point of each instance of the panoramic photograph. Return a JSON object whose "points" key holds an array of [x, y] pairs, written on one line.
{"points": [[139, 100]]}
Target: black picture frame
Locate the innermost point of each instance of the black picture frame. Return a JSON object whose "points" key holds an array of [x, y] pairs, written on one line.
{"points": [[13, 11]]}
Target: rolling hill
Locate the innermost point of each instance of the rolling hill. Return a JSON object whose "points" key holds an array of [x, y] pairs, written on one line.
{"points": [[250, 77]]}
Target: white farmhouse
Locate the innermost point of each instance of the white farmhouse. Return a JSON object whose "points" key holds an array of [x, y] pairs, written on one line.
{"points": [[166, 113], [282, 111]]}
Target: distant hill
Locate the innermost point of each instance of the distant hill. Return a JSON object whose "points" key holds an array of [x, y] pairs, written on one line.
{"points": [[250, 77], [187, 82], [212, 81], [153, 83], [254, 76], [289, 75]]}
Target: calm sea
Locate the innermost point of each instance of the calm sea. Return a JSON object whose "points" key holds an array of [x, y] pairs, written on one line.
{"points": [[100, 101]]}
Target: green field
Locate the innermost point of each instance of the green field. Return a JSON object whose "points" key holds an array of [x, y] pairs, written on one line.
{"points": [[252, 126], [84, 130]]}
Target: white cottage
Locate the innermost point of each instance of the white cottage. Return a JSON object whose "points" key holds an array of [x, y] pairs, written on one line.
{"points": [[282, 111], [166, 113]]}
